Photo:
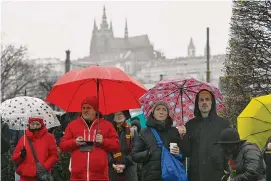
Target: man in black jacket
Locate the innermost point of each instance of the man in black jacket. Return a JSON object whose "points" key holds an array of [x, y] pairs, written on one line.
{"points": [[246, 158], [5, 145], [207, 162]]}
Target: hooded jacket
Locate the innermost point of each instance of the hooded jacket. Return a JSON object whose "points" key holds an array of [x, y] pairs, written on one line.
{"points": [[207, 162], [136, 123], [45, 148]]}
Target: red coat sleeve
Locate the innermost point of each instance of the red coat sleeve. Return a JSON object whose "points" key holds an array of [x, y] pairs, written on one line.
{"points": [[111, 142], [68, 143], [52, 154], [17, 151]]}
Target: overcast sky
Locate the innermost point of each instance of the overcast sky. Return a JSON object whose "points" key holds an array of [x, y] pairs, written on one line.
{"points": [[49, 28]]}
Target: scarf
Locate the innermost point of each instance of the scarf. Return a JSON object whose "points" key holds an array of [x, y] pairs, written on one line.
{"points": [[117, 155]]}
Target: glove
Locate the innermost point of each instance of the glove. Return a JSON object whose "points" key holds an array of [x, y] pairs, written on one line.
{"points": [[226, 177], [23, 153]]}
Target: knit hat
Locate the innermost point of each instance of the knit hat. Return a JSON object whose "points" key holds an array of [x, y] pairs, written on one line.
{"points": [[92, 101], [32, 119], [160, 103]]}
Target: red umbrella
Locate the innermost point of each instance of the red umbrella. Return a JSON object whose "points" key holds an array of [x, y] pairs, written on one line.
{"points": [[115, 90]]}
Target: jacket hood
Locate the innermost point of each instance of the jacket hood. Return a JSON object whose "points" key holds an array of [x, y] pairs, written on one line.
{"points": [[212, 112], [136, 123]]}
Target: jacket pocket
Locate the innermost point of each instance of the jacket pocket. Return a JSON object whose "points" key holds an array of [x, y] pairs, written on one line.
{"points": [[98, 161]]}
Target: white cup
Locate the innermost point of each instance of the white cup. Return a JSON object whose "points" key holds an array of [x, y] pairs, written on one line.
{"points": [[172, 145]]}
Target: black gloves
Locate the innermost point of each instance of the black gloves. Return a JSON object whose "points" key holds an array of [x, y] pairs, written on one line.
{"points": [[23, 153]]}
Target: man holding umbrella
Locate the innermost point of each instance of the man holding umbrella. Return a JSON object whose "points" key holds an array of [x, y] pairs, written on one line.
{"points": [[207, 162], [91, 164]]}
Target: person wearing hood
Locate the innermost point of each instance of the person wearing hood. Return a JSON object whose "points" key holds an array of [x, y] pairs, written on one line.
{"points": [[245, 158], [135, 127], [90, 164], [45, 148], [207, 162], [121, 166], [145, 148]]}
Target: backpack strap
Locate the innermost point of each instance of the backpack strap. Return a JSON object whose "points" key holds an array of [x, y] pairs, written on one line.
{"points": [[157, 137]]}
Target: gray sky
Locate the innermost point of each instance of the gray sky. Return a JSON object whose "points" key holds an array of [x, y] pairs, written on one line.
{"points": [[49, 28]]}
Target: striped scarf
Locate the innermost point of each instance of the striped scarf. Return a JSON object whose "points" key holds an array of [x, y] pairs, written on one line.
{"points": [[117, 155]]}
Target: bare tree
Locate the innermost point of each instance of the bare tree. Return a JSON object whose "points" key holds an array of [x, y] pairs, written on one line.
{"points": [[16, 73], [46, 80]]}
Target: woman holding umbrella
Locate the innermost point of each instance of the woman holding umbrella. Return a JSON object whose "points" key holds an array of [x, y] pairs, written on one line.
{"points": [[44, 147], [121, 166]]}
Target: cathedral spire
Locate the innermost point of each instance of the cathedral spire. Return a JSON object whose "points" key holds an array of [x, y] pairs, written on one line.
{"points": [[104, 24], [126, 29], [111, 26], [95, 28]]}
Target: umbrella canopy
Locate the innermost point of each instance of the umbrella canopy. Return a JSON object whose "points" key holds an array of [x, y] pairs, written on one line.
{"points": [[180, 95], [114, 89], [254, 123], [16, 112]]}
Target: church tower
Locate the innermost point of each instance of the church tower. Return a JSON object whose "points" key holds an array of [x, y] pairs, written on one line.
{"points": [[191, 52], [101, 36]]}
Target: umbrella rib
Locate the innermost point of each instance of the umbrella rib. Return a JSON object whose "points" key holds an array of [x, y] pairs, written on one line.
{"points": [[176, 104], [182, 104], [170, 93], [85, 82], [189, 97], [256, 119], [258, 133], [263, 105]]}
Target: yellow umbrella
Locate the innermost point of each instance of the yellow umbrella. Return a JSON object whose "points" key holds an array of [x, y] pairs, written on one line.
{"points": [[254, 123]]}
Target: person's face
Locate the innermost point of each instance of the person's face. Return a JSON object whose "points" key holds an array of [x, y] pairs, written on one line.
{"points": [[205, 103], [35, 125], [160, 113], [88, 112], [119, 117], [228, 149]]}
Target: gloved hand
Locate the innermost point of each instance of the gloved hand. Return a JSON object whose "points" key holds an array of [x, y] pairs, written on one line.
{"points": [[226, 177], [23, 153]]}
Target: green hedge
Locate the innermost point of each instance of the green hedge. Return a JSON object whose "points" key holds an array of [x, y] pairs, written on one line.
{"points": [[60, 171]]}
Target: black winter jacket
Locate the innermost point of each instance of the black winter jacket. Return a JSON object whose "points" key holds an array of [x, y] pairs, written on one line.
{"points": [[145, 148], [207, 162], [249, 163]]}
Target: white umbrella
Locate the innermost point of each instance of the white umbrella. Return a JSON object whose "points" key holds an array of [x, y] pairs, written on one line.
{"points": [[15, 112]]}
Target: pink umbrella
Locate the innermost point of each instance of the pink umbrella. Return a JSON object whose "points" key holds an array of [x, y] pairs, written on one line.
{"points": [[180, 95]]}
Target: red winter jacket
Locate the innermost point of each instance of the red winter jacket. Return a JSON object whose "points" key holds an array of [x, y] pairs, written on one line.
{"points": [[46, 150], [93, 164]]}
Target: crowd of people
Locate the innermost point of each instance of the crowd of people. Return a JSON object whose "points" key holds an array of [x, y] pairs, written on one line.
{"points": [[107, 148]]}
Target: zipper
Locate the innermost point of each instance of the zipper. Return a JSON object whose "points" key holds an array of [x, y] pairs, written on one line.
{"points": [[88, 139]]}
